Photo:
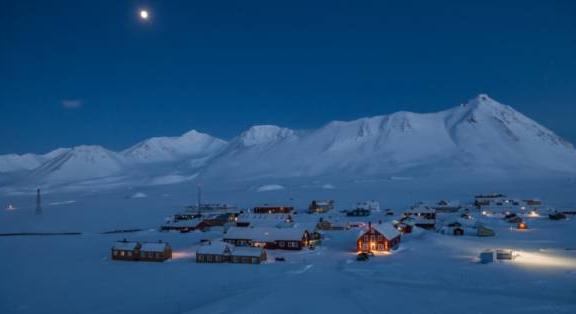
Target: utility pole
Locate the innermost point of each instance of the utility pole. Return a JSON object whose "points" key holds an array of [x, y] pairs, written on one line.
{"points": [[38, 202], [199, 195]]}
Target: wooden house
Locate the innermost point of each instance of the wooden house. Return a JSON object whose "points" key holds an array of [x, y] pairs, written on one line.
{"points": [[269, 237], [126, 250], [181, 225], [358, 212], [272, 209], [155, 251], [320, 206], [424, 216], [378, 238], [221, 252]]}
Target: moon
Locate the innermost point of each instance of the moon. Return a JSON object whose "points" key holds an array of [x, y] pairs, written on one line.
{"points": [[144, 14]]}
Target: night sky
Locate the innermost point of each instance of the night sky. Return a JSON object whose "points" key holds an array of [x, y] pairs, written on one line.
{"points": [[92, 72]]}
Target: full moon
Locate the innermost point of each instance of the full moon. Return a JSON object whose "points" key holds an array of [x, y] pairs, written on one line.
{"points": [[144, 14]]}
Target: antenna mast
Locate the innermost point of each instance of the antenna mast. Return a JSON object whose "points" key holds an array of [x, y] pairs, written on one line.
{"points": [[38, 202]]}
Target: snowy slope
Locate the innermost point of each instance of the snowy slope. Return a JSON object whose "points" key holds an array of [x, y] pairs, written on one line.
{"points": [[14, 162], [482, 137], [81, 162], [192, 145]]}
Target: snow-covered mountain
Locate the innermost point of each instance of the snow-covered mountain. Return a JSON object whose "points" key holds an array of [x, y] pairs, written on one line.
{"points": [[78, 163], [192, 145], [480, 137]]}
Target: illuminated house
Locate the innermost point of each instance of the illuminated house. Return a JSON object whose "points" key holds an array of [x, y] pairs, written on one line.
{"points": [[423, 216], [272, 209], [126, 250], [378, 238]]}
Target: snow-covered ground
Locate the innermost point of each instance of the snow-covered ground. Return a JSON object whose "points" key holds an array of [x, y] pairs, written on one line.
{"points": [[429, 273]]}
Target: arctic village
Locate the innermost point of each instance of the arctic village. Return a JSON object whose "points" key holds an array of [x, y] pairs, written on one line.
{"points": [[473, 206]]}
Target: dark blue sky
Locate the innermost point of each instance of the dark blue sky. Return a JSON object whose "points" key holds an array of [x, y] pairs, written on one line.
{"points": [[90, 72]]}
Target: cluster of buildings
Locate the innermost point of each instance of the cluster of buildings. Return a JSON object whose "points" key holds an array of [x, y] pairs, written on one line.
{"points": [[247, 235]]}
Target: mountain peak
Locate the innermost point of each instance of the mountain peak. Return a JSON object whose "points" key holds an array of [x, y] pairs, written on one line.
{"points": [[263, 134]]}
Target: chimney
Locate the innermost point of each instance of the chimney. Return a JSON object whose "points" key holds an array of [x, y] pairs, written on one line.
{"points": [[369, 225]]}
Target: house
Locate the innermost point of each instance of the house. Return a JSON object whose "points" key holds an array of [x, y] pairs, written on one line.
{"points": [[269, 237], [186, 216], [447, 207], [422, 215], [317, 206], [222, 252], [136, 251], [272, 209], [487, 199], [358, 212], [378, 238], [126, 250], [483, 231], [368, 205], [155, 251], [181, 225], [324, 224], [215, 220]]}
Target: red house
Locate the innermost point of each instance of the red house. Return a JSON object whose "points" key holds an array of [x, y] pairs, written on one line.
{"points": [[273, 209], [378, 238]]}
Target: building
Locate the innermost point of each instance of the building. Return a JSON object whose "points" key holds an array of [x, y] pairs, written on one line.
{"points": [[447, 207], [269, 237], [487, 199], [358, 212], [147, 251], [422, 215], [155, 251], [368, 205], [272, 209], [181, 225], [221, 252], [126, 250], [317, 206], [378, 238]]}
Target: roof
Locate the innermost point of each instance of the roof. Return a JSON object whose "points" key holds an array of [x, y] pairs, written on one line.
{"points": [[125, 245], [387, 230], [247, 251], [183, 223], [154, 246], [216, 247], [265, 234]]}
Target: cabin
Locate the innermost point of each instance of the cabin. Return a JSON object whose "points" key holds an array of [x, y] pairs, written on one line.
{"points": [[422, 215], [155, 251], [487, 199], [324, 224], [317, 206], [368, 205], [269, 237], [126, 250], [180, 225], [378, 238], [186, 216], [447, 207], [221, 252], [272, 209], [358, 212], [216, 220]]}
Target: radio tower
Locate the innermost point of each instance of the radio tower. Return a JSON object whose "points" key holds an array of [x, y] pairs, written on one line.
{"points": [[38, 203], [199, 197]]}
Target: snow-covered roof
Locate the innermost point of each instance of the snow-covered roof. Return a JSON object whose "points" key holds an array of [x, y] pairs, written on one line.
{"points": [[125, 245], [386, 229], [216, 247], [154, 246], [183, 223], [265, 234]]}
